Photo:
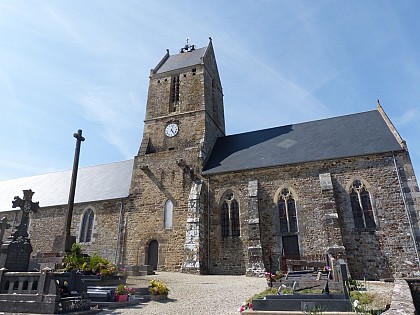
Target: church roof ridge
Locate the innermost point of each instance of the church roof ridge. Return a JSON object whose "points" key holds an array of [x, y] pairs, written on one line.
{"points": [[94, 183], [324, 139], [64, 171], [300, 123], [180, 60]]}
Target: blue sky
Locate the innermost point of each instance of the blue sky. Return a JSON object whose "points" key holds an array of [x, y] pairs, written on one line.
{"points": [[68, 65]]}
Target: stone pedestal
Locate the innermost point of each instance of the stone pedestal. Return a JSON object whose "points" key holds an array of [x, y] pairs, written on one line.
{"points": [[14, 255], [63, 243]]}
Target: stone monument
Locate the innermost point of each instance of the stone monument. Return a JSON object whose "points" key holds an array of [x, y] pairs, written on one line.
{"points": [[43, 292], [4, 225], [15, 252]]}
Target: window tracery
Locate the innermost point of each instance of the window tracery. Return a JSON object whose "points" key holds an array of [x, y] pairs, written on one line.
{"points": [[86, 229], [361, 206], [230, 222], [287, 211]]}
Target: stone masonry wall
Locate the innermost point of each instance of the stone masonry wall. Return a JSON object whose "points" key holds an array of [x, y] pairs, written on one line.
{"points": [[163, 179], [386, 251], [49, 222], [166, 168]]}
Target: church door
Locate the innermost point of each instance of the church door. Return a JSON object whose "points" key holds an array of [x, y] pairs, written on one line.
{"points": [[152, 255], [291, 247]]}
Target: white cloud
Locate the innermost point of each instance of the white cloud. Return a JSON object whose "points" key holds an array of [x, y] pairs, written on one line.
{"points": [[412, 115], [114, 111]]}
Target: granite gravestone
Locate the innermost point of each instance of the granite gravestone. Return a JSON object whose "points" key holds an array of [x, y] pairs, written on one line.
{"points": [[15, 252], [4, 225]]}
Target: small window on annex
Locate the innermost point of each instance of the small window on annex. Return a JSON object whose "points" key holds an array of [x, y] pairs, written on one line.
{"points": [[167, 216], [86, 230], [287, 212], [361, 206], [229, 215]]}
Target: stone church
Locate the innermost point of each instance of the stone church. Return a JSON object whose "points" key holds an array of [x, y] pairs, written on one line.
{"points": [[197, 200]]}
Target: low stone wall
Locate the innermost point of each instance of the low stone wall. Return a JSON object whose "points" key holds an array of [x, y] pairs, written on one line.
{"points": [[40, 292], [402, 301]]}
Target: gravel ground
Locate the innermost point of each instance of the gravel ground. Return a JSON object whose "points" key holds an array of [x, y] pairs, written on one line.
{"points": [[196, 294], [220, 295]]}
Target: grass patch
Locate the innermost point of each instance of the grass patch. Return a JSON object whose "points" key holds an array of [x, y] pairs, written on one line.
{"points": [[268, 291], [364, 298]]}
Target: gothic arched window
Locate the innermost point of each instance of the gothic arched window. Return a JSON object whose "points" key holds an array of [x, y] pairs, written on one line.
{"points": [[230, 216], [361, 206], [86, 230], [234, 218], [169, 208], [287, 211], [225, 219]]}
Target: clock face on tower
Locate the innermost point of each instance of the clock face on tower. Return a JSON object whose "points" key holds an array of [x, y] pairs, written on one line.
{"points": [[171, 130]]}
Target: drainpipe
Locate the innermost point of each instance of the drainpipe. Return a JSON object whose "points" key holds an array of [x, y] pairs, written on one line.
{"points": [[208, 224], [120, 221], [406, 209]]}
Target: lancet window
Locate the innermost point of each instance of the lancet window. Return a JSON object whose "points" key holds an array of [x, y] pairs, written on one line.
{"points": [[174, 93], [168, 211], [361, 206], [287, 211], [230, 223], [86, 229]]}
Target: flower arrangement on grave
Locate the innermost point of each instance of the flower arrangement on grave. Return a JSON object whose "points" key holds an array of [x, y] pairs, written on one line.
{"points": [[122, 293], [124, 290], [157, 287], [245, 306]]}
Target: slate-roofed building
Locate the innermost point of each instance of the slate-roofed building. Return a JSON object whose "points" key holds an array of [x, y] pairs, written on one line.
{"points": [[196, 200]]}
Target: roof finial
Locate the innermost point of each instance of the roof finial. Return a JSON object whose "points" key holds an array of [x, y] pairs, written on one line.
{"points": [[187, 47], [379, 103]]}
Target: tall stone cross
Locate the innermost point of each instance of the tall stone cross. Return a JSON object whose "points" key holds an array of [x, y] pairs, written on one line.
{"points": [[3, 227], [27, 206], [69, 240]]}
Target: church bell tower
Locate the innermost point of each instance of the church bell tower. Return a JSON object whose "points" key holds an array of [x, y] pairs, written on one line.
{"points": [[185, 103], [184, 117]]}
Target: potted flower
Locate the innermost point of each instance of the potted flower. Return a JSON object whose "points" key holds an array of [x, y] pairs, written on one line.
{"points": [[158, 290], [123, 292]]}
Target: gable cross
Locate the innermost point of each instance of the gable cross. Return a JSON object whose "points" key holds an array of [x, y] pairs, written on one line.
{"points": [[26, 206]]}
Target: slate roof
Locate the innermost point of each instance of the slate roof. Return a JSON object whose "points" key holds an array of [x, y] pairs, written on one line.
{"points": [[352, 135], [183, 60], [100, 182]]}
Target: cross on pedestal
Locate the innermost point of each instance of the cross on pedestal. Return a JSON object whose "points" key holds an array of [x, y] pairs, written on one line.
{"points": [[68, 239], [26, 205], [4, 225]]}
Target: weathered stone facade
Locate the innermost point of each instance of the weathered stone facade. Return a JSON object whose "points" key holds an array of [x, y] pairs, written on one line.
{"points": [[324, 216], [175, 217], [169, 167]]}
